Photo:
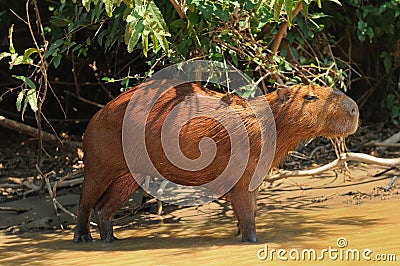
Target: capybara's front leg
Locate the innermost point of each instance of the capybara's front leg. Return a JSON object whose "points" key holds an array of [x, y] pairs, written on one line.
{"points": [[244, 207]]}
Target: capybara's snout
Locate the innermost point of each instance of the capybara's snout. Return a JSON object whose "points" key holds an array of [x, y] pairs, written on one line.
{"points": [[351, 108]]}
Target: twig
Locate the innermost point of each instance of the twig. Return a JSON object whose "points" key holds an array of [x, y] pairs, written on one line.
{"points": [[62, 183], [43, 82], [56, 204], [46, 179], [84, 99], [385, 171], [71, 183], [18, 16]]}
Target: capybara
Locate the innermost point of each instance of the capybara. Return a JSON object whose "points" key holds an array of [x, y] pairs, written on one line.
{"points": [[300, 112]]}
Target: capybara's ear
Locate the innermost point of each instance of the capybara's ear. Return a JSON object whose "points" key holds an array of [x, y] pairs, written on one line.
{"points": [[283, 93]]}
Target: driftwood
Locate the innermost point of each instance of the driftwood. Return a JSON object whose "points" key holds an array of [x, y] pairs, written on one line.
{"points": [[344, 157], [391, 142], [8, 185], [393, 139], [382, 144], [12, 209]]}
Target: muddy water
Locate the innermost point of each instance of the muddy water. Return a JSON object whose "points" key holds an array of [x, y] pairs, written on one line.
{"points": [[204, 236]]}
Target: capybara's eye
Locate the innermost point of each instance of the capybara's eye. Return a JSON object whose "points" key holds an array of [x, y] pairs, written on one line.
{"points": [[310, 97]]}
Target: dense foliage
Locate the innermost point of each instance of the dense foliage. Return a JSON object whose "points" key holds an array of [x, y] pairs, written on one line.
{"points": [[149, 34]]}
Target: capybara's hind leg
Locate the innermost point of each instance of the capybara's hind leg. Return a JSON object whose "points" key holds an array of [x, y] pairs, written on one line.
{"points": [[244, 206], [112, 200], [82, 230], [89, 196]]}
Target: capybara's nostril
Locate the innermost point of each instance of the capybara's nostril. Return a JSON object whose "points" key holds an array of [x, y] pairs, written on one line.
{"points": [[351, 107]]}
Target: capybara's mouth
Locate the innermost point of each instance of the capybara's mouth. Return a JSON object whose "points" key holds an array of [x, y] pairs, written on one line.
{"points": [[345, 131]]}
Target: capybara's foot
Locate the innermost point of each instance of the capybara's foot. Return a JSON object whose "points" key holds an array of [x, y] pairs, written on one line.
{"points": [[249, 233], [109, 239], [82, 237], [106, 228], [249, 239]]}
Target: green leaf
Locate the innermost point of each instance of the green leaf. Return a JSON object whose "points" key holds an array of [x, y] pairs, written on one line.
{"points": [[156, 22], [19, 60], [31, 99], [24, 109], [145, 41], [109, 7], [387, 62], [177, 24], [289, 11], [108, 79], [20, 97], [54, 47], [234, 58], [4, 54], [60, 22], [28, 52], [134, 36], [207, 10], [247, 93], [305, 9], [336, 1], [10, 34], [86, 4], [319, 3], [26, 80], [277, 9], [56, 60]]}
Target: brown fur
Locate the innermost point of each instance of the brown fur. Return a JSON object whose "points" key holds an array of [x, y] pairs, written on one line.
{"points": [[108, 184]]}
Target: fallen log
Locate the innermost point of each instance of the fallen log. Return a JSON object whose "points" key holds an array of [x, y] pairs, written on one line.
{"points": [[31, 131]]}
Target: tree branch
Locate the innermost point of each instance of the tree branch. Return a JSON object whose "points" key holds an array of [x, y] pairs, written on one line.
{"points": [[178, 9], [282, 31]]}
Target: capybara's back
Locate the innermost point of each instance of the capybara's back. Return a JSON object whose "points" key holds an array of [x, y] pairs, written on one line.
{"points": [[299, 112]]}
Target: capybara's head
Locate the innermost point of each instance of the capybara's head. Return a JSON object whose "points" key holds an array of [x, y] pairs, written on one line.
{"points": [[317, 111]]}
